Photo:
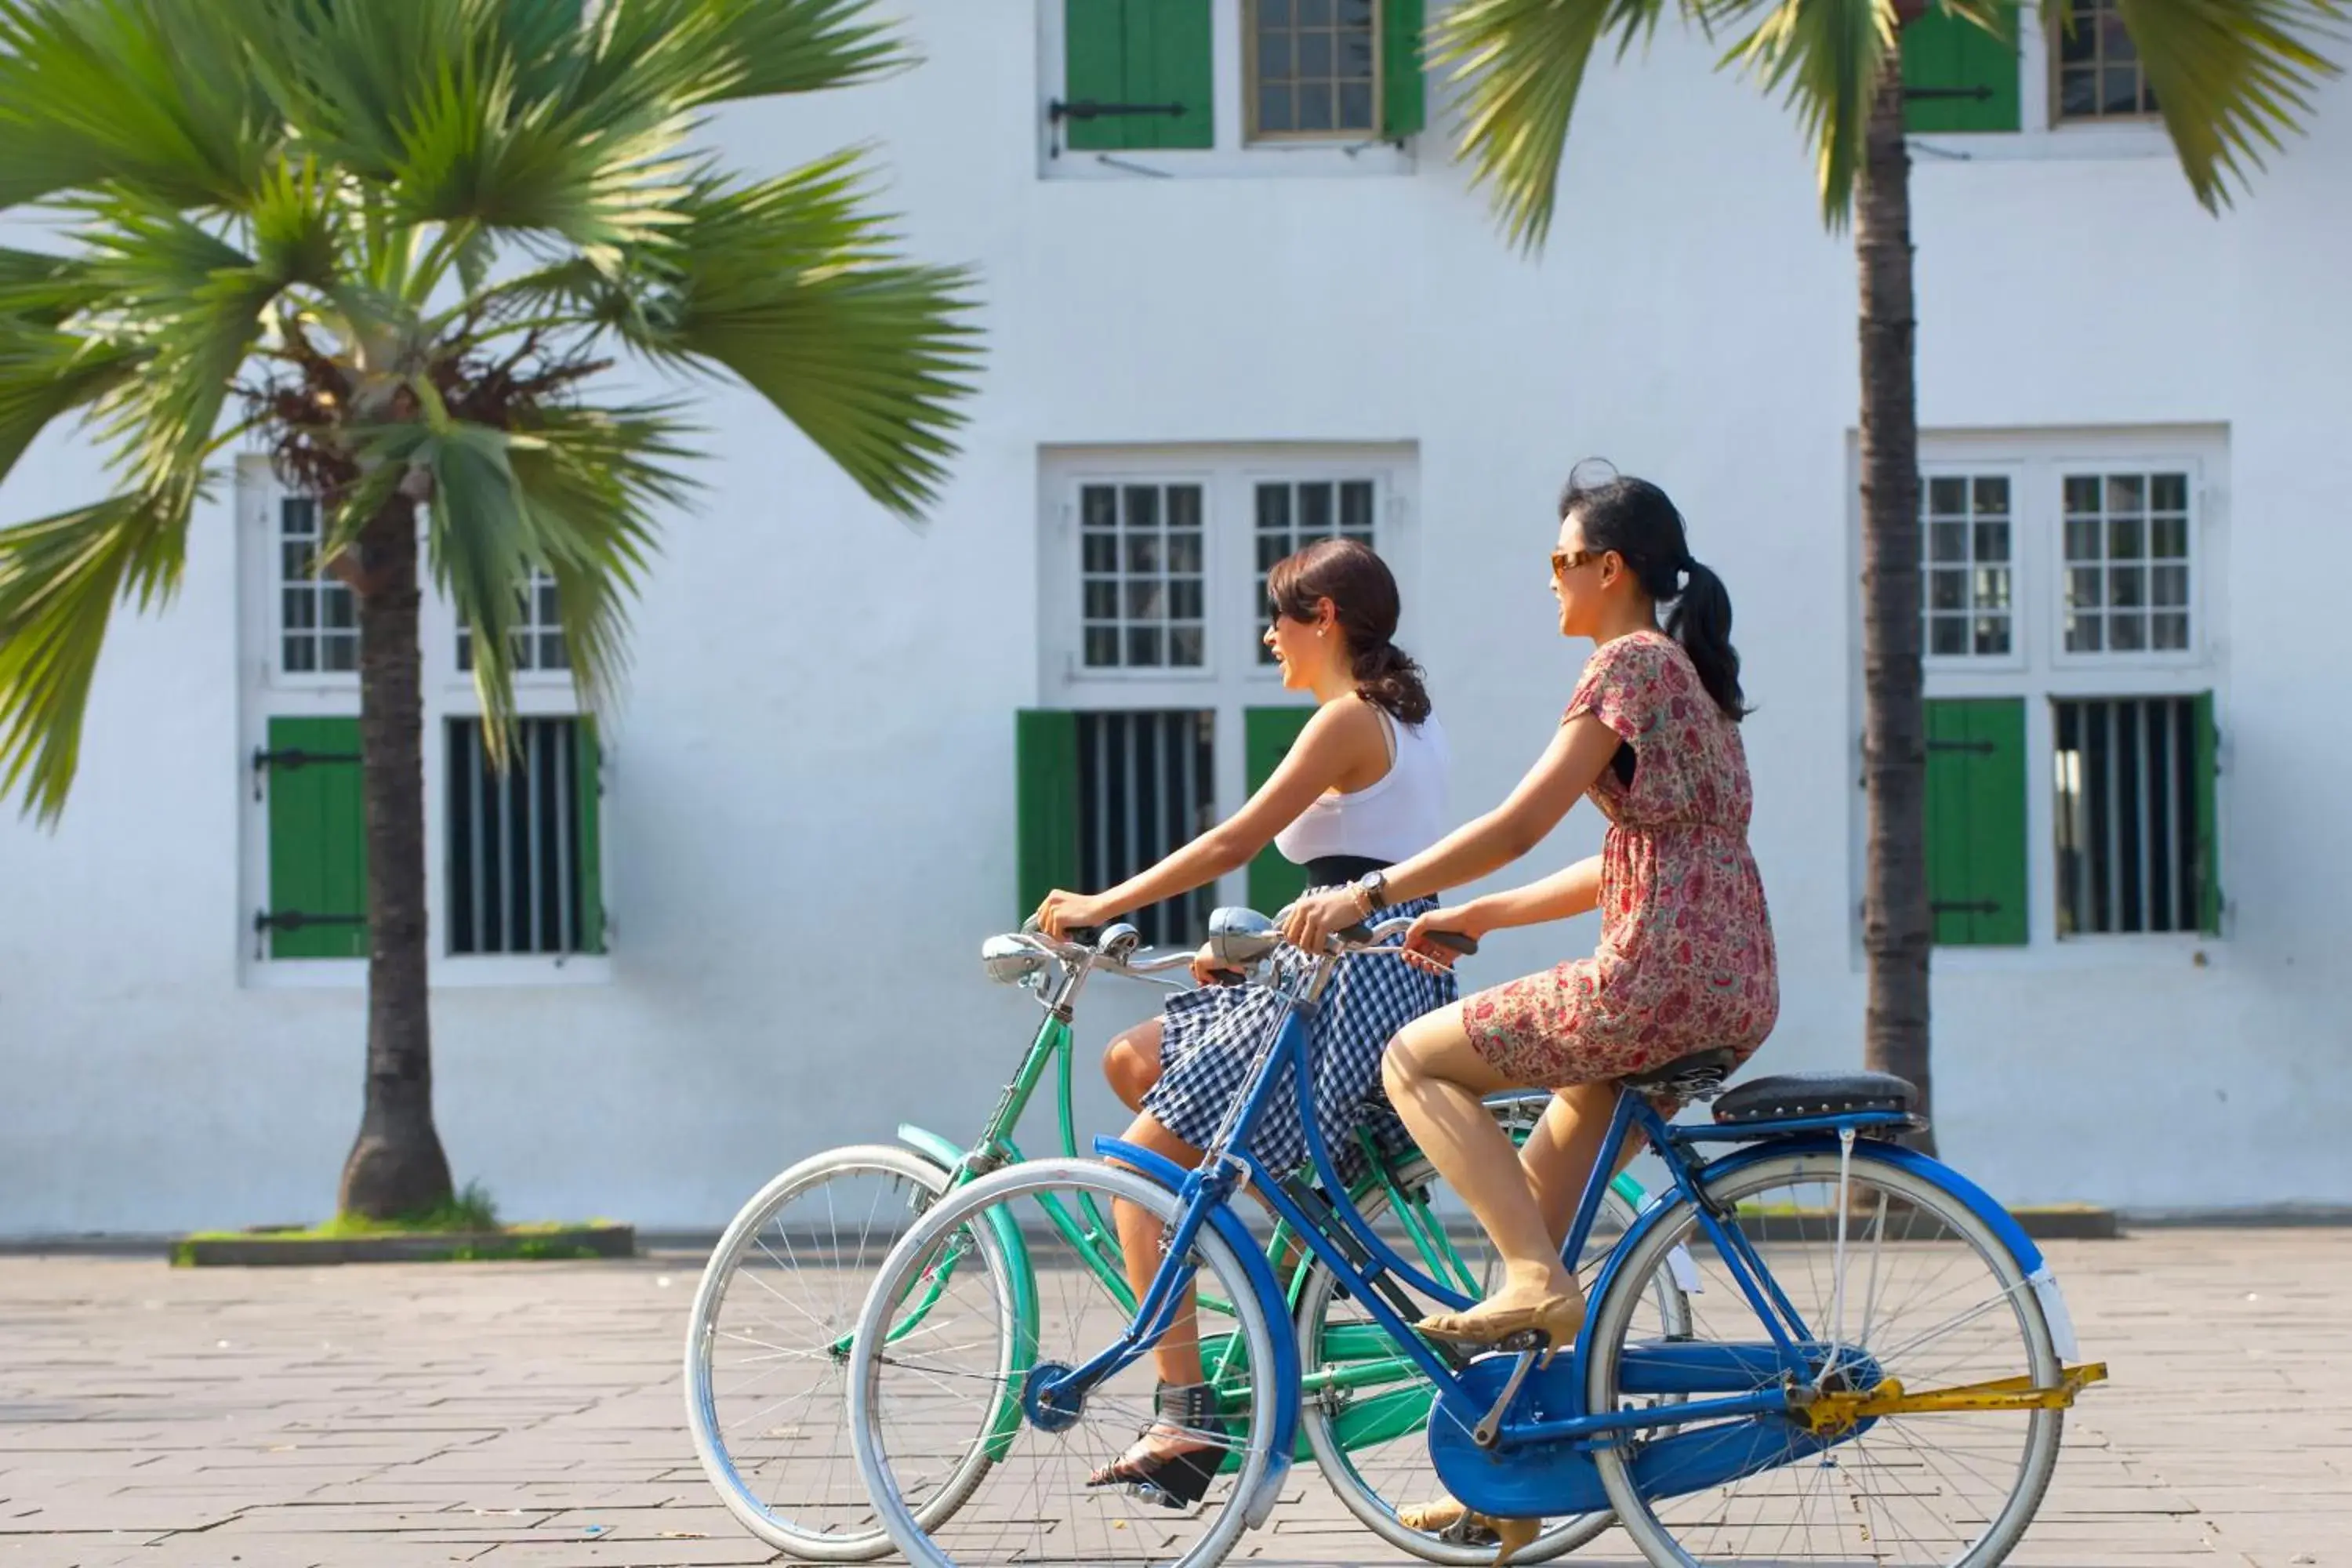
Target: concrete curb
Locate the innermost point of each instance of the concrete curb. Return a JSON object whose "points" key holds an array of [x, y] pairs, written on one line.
{"points": [[407, 1247]]}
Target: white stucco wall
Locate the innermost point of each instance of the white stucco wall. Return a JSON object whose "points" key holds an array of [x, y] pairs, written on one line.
{"points": [[810, 796]]}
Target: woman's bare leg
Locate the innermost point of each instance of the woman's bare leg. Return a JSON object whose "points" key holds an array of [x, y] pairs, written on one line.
{"points": [[1131, 1064], [1435, 1079], [1177, 1357], [1558, 1154]]}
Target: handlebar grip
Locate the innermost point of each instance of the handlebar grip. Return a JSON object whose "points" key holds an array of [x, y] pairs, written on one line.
{"points": [[1459, 941]]}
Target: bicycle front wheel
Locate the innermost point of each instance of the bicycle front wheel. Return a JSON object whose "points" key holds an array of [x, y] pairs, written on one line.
{"points": [[1913, 1287], [962, 1377], [767, 1347]]}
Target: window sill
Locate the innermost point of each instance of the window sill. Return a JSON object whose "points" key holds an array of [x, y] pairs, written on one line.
{"points": [[2089, 142], [451, 974], [2138, 951], [1257, 161]]}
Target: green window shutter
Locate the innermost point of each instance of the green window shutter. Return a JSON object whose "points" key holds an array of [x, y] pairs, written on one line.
{"points": [[1045, 759], [1944, 52], [2209, 828], [1976, 822], [1139, 52], [588, 787], [318, 840], [1401, 106], [1266, 735]]}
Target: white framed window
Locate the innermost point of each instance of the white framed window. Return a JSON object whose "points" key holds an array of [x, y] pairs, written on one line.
{"points": [[1143, 576], [318, 626], [1224, 88], [1147, 557], [1311, 69], [2075, 692], [2097, 73], [514, 860], [1968, 581], [2127, 539]]}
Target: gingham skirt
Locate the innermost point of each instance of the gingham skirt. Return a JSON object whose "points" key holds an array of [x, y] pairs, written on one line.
{"points": [[1212, 1039]]}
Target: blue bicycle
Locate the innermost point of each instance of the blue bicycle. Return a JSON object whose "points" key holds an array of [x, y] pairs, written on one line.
{"points": [[1872, 1367]]}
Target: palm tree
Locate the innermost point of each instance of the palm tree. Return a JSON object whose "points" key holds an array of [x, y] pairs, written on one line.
{"points": [[2229, 77], [394, 246]]}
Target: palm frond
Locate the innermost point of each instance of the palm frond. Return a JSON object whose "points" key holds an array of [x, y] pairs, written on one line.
{"points": [[774, 46], [481, 542], [2230, 78], [792, 285], [592, 480], [1521, 66], [1823, 57], [150, 95], [59, 580], [46, 374], [43, 288]]}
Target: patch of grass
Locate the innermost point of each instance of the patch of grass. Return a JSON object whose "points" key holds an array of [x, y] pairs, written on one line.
{"points": [[470, 1209]]}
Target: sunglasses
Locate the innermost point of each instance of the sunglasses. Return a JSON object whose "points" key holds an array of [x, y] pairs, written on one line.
{"points": [[1563, 562]]}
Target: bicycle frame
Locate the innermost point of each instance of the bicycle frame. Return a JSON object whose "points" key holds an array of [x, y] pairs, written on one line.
{"points": [[1477, 1395]]}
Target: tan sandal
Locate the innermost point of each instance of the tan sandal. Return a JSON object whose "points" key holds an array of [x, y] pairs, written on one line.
{"points": [[1556, 1318], [1512, 1535]]}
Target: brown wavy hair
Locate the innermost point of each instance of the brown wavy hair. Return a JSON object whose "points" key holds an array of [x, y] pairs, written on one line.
{"points": [[1363, 595]]}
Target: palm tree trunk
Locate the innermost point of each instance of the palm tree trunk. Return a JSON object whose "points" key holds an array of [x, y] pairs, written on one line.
{"points": [[1896, 923], [397, 1167]]}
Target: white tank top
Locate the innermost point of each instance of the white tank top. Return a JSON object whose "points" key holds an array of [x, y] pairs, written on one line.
{"points": [[1397, 815]]}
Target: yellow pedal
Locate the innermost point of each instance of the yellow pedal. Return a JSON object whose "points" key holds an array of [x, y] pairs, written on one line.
{"points": [[1828, 1414]]}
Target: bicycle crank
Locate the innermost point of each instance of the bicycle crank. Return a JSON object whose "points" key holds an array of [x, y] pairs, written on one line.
{"points": [[1827, 1415]]}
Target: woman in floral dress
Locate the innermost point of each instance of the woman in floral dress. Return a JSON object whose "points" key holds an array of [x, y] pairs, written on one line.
{"points": [[1685, 961]]}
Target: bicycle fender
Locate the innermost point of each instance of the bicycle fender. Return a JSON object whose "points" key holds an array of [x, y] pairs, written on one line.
{"points": [[1284, 1440], [1019, 1276], [941, 1151], [1998, 1220]]}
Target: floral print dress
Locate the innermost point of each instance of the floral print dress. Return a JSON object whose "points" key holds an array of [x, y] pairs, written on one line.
{"points": [[1685, 961]]}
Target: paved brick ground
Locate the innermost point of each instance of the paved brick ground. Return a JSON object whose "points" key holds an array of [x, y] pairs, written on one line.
{"points": [[529, 1414]]}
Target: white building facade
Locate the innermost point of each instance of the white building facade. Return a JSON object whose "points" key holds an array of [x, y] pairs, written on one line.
{"points": [[736, 919]]}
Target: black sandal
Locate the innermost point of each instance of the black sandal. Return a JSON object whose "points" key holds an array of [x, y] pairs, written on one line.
{"points": [[1180, 1478]]}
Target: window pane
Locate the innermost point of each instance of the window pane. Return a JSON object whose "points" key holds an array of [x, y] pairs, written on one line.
{"points": [[1101, 552], [1275, 110], [1315, 510], [1947, 635], [1992, 587], [1273, 507], [1273, 54], [2128, 586], [1184, 600], [1356, 506], [342, 609], [2081, 539], [296, 655], [1102, 601], [1992, 542], [1187, 648], [2082, 492], [1992, 494], [2168, 537], [2082, 588], [2170, 630], [2169, 585], [2083, 633], [1948, 589], [1143, 552], [2126, 539], [1143, 647], [1314, 13], [1948, 496], [2122, 93], [1315, 106], [1142, 507], [2125, 492], [1183, 506], [1185, 551], [1947, 541], [1314, 56], [2126, 633], [342, 650], [1146, 601], [2168, 493], [1102, 647], [1271, 548], [301, 606], [1993, 635], [553, 654], [1098, 507]]}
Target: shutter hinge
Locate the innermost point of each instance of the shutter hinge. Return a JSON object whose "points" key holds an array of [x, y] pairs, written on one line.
{"points": [[1980, 94], [290, 758], [1087, 109], [1982, 748], [267, 920], [1964, 907]]}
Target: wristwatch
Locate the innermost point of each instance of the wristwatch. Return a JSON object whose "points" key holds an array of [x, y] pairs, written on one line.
{"points": [[1373, 892]]}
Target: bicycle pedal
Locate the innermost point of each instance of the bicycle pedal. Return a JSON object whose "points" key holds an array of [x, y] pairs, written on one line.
{"points": [[1154, 1492]]}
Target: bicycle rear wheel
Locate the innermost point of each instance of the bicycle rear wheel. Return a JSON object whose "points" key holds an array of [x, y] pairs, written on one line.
{"points": [[963, 1378], [1922, 1292]]}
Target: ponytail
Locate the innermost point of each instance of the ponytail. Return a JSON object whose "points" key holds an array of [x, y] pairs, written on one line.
{"points": [[1387, 678], [1701, 621], [1633, 517]]}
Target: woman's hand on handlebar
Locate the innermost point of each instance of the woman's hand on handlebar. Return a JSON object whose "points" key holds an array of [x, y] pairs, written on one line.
{"points": [[1309, 922], [1207, 971], [1063, 912], [1423, 952]]}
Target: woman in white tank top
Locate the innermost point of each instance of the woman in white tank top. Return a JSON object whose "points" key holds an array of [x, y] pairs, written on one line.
{"points": [[1364, 784]]}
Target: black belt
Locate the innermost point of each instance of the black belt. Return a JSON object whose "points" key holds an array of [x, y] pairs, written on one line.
{"points": [[1333, 870]]}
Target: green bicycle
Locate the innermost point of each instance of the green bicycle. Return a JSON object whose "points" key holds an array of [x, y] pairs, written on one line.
{"points": [[768, 1342]]}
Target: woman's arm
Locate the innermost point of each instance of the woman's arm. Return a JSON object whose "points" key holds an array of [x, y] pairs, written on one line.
{"points": [[1568, 768], [1564, 895], [1343, 739]]}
